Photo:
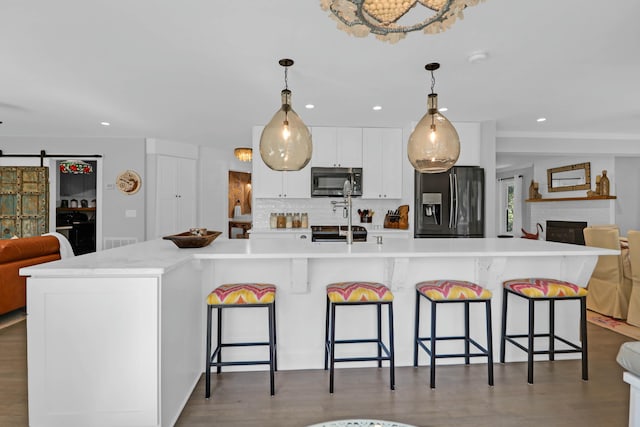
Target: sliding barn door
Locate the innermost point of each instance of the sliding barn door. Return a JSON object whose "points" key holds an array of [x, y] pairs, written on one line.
{"points": [[24, 201]]}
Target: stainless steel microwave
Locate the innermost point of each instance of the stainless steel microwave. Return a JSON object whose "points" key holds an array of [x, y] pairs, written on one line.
{"points": [[329, 182]]}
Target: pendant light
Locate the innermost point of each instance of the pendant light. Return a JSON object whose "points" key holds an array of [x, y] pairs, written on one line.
{"points": [[285, 143], [434, 144]]}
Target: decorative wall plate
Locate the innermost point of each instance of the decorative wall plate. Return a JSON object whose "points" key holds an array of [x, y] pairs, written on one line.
{"points": [[129, 182]]}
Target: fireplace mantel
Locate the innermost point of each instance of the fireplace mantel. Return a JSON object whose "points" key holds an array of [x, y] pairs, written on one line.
{"points": [[570, 199]]}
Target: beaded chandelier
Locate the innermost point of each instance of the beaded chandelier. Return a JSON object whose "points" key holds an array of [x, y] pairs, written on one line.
{"points": [[380, 17]]}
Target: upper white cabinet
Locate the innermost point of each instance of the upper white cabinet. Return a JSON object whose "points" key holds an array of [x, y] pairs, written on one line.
{"points": [[337, 147], [176, 195], [470, 140], [269, 184], [382, 163]]}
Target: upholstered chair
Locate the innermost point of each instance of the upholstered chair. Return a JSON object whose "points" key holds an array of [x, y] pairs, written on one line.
{"points": [[609, 289], [633, 237]]}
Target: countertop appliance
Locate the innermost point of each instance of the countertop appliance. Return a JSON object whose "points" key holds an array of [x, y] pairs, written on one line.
{"points": [[450, 204], [329, 182], [337, 233]]}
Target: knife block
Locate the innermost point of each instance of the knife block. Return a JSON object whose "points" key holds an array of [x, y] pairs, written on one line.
{"points": [[400, 221]]}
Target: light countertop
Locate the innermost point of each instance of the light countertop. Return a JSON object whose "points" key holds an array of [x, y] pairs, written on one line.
{"points": [[156, 257]]}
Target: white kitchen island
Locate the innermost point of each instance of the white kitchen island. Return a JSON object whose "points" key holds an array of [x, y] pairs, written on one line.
{"points": [[116, 338]]}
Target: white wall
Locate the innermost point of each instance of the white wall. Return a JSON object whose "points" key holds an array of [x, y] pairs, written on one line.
{"points": [[628, 201], [619, 156], [118, 155]]}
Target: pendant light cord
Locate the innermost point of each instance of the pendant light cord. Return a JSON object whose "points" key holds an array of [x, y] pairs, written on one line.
{"points": [[286, 81], [433, 81]]}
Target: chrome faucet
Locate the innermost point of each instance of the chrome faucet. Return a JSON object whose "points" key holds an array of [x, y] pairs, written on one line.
{"points": [[347, 190]]}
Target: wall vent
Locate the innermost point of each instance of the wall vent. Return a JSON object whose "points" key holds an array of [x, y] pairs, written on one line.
{"points": [[116, 242]]}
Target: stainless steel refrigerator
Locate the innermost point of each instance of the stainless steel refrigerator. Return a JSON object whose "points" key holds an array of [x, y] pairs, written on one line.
{"points": [[450, 204]]}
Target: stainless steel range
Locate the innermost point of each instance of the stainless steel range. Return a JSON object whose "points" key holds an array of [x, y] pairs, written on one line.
{"points": [[337, 233]]}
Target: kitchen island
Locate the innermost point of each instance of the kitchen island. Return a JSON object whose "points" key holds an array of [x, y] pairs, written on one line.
{"points": [[117, 337]]}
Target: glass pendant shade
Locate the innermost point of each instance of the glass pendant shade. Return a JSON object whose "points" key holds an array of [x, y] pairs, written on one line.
{"points": [[285, 144], [434, 144]]}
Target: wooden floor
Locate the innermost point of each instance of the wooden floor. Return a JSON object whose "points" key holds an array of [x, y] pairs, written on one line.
{"points": [[462, 396]]}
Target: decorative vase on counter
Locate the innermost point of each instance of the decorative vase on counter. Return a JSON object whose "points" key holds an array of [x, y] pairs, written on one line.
{"points": [[604, 184]]}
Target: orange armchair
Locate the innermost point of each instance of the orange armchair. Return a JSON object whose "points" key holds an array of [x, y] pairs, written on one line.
{"points": [[18, 253]]}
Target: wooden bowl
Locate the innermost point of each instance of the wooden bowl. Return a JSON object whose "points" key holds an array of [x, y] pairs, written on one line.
{"points": [[190, 240]]}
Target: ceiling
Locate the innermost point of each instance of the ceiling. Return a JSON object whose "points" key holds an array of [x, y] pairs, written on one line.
{"points": [[205, 71]]}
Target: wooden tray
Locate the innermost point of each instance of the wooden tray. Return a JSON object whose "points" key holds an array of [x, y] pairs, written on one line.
{"points": [[189, 240]]}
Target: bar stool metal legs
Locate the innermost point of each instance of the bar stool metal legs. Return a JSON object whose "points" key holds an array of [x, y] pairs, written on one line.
{"points": [[381, 296], [432, 291], [251, 296], [551, 290]]}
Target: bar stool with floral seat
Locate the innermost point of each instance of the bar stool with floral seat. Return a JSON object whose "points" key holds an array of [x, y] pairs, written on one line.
{"points": [[358, 294], [450, 292], [240, 295], [536, 289]]}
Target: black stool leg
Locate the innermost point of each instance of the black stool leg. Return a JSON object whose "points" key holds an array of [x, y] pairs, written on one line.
{"points": [[530, 341], [432, 368], [416, 336], [503, 334], [392, 363], [583, 333], [466, 333], [379, 313], [326, 337], [332, 347], [275, 339], [219, 358], [207, 387], [272, 347], [489, 342], [552, 330]]}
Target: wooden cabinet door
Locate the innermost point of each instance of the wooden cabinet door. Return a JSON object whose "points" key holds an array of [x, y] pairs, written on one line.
{"points": [[382, 163], [391, 152], [24, 201], [324, 147], [265, 182], [349, 147]]}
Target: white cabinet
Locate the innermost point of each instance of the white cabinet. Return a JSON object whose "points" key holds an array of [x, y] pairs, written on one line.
{"points": [[175, 195], [470, 140], [269, 184], [382, 163], [337, 147]]}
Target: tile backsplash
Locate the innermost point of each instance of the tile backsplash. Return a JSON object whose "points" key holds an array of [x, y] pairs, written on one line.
{"points": [[321, 211]]}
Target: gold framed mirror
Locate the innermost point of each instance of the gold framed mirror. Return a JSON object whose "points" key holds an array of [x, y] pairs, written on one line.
{"points": [[569, 178]]}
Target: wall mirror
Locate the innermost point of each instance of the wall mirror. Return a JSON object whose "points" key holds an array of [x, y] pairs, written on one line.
{"points": [[569, 178]]}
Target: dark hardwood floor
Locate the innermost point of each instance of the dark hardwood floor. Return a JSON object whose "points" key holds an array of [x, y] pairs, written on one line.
{"points": [[462, 397]]}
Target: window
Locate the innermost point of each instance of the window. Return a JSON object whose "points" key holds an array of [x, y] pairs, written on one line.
{"points": [[510, 209]]}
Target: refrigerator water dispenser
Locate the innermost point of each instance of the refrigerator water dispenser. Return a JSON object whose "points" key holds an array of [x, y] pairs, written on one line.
{"points": [[432, 208]]}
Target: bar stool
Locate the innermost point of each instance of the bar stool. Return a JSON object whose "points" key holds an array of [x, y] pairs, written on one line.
{"points": [[448, 292], [352, 294], [240, 295], [536, 289]]}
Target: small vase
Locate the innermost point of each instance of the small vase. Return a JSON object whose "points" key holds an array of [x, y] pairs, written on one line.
{"points": [[604, 184]]}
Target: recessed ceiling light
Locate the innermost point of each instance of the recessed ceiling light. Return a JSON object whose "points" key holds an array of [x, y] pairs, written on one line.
{"points": [[541, 119], [377, 107], [309, 106], [443, 109], [105, 123], [478, 56]]}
